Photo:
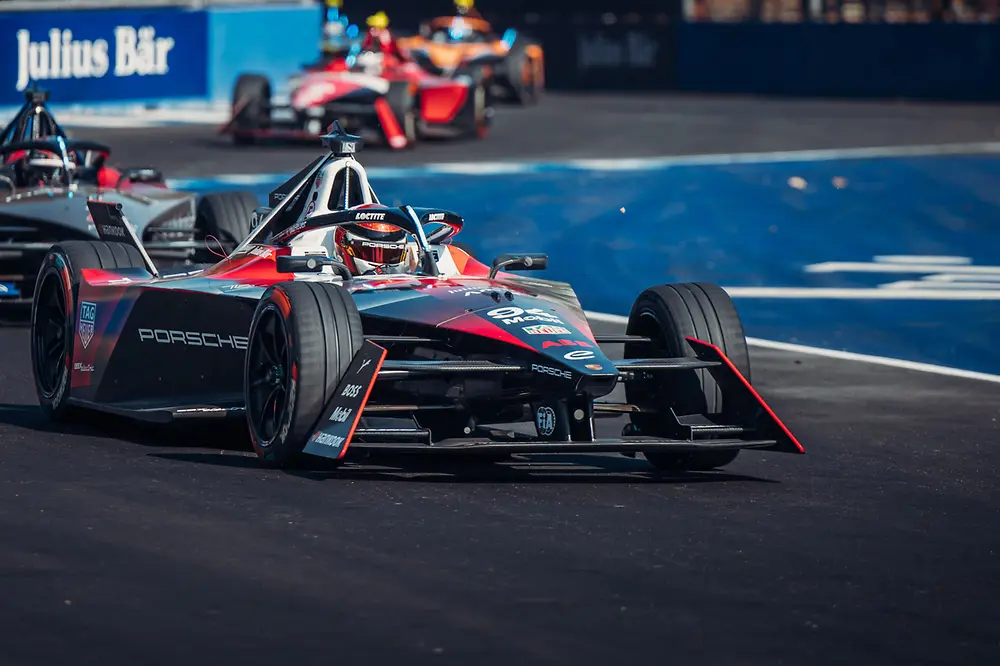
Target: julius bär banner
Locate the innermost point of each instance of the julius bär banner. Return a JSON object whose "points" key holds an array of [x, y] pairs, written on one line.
{"points": [[104, 55]]}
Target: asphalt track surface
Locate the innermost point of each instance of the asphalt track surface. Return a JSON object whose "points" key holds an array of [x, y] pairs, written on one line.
{"points": [[131, 545]]}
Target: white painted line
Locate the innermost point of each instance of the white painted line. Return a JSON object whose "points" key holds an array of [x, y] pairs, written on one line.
{"points": [[921, 259], [992, 283], [836, 354], [876, 360], [868, 294], [981, 147], [870, 267]]}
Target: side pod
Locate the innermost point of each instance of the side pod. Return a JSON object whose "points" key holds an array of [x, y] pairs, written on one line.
{"points": [[756, 411], [343, 412]]}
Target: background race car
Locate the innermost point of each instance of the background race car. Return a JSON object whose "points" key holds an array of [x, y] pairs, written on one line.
{"points": [[512, 64], [46, 178], [375, 90]]}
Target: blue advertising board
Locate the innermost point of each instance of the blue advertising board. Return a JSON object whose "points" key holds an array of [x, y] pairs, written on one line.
{"points": [[104, 55]]}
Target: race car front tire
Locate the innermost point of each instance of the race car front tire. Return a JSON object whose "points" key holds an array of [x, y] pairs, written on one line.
{"points": [[303, 337], [54, 314], [405, 106], [226, 216], [668, 314]]}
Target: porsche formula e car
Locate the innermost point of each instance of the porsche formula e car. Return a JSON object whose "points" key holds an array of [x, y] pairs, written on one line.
{"points": [[46, 178], [375, 90], [512, 64], [452, 357]]}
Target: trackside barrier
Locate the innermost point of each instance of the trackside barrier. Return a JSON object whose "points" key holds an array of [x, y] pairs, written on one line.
{"points": [[152, 54]]}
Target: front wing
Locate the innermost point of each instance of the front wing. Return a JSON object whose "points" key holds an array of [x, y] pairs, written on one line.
{"points": [[756, 426]]}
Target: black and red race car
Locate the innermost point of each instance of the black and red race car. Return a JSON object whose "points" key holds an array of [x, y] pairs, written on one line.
{"points": [[451, 357], [375, 90]]}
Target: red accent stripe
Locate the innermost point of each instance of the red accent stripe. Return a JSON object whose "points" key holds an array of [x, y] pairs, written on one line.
{"points": [[393, 132], [784, 428], [361, 409]]}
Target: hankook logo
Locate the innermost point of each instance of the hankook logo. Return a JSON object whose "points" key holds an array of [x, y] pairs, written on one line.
{"points": [[192, 338]]}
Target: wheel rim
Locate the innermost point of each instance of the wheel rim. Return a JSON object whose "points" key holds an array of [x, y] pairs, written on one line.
{"points": [[50, 335], [269, 376]]}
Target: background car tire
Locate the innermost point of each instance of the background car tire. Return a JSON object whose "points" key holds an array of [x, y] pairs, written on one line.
{"points": [[59, 278], [256, 113], [321, 329], [668, 314], [517, 63], [405, 106], [226, 216]]}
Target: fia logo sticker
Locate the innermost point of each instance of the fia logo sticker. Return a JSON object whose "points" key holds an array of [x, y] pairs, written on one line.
{"points": [[545, 421], [88, 318]]}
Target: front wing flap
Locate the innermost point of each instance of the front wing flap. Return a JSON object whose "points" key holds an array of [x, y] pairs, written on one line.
{"points": [[756, 425]]}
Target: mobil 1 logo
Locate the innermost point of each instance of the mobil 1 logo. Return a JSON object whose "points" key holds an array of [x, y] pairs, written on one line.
{"points": [[516, 315]]}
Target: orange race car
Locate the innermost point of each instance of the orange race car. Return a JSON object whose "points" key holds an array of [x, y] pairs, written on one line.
{"points": [[466, 44]]}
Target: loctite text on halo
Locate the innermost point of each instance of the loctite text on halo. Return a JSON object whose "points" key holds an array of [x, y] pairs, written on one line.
{"points": [[62, 57]]}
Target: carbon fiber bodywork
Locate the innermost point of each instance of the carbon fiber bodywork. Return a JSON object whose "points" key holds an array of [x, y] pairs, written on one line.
{"points": [[32, 220]]}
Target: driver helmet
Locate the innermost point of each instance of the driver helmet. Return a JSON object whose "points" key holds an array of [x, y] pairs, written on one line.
{"points": [[374, 248]]}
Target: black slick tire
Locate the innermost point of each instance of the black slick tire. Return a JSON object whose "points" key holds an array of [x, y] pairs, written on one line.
{"points": [[319, 327], [226, 216], [668, 314], [251, 107], [55, 313]]}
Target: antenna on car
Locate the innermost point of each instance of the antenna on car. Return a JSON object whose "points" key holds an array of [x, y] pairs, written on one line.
{"points": [[340, 143]]}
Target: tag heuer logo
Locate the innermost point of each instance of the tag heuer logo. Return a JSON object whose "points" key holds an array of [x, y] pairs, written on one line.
{"points": [[88, 317]]}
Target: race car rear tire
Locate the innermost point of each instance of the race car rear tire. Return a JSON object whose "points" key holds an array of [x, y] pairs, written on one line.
{"points": [[405, 106], [518, 60], [54, 315], [668, 314], [305, 335], [226, 216], [251, 106]]}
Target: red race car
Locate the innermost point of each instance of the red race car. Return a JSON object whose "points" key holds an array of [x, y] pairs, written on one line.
{"points": [[373, 90]]}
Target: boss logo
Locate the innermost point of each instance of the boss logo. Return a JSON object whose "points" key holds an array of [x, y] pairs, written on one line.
{"points": [[370, 216], [351, 391], [192, 339]]}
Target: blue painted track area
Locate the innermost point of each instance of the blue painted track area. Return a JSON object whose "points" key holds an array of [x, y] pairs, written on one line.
{"points": [[891, 256]]}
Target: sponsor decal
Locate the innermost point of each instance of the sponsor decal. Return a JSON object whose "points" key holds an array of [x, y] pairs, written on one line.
{"points": [[545, 421], [340, 415], [137, 52], [192, 338], [594, 366], [370, 216], [310, 208], [565, 343], [516, 315], [435, 217], [112, 230], [88, 318], [544, 329], [579, 355], [553, 372], [352, 391], [348, 146], [262, 251], [363, 366], [82, 367], [329, 440], [598, 51], [9, 289], [384, 246]]}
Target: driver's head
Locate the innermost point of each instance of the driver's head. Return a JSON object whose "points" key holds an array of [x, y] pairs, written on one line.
{"points": [[373, 248]]}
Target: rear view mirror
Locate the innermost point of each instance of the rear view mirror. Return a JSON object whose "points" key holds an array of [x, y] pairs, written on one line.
{"points": [[520, 262], [310, 264]]}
